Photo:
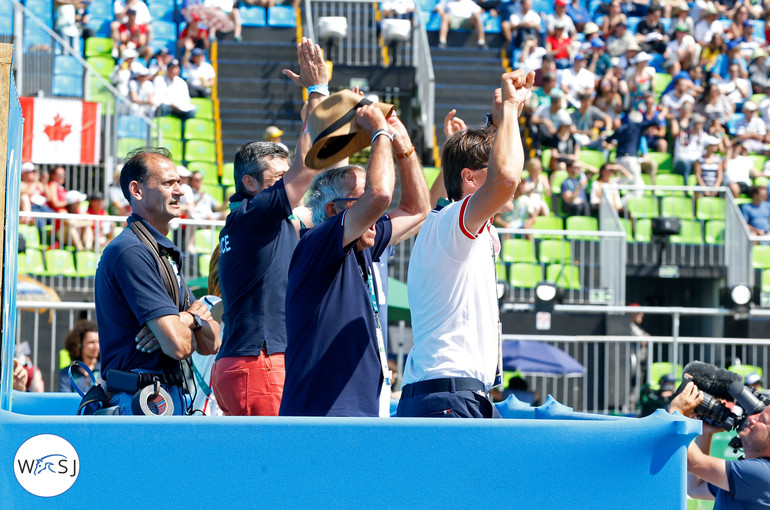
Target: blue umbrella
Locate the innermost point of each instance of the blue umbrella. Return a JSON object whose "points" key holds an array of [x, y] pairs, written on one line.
{"points": [[538, 358]]}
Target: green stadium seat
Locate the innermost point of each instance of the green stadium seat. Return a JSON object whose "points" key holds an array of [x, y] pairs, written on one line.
{"points": [[518, 250], [97, 92], [661, 368], [430, 173], [102, 65], [215, 190], [548, 223], [710, 208], [65, 360], [199, 150], [715, 232], [758, 160], [545, 158], [558, 177], [210, 175], [659, 83], [757, 98], [765, 280], [553, 251], [501, 271], [744, 370], [175, 147], [643, 207], [664, 159], [206, 239], [525, 276], [85, 263], [676, 207], [31, 236], [98, 47], [761, 181], [689, 233], [126, 145], [643, 230], [593, 158], [199, 129], [34, 263], [59, 262], [203, 264], [760, 256], [170, 127], [564, 276], [585, 223], [228, 175], [629, 228], [668, 180], [205, 108]]}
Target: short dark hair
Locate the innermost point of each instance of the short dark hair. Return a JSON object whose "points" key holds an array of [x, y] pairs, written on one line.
{"points": [[74, 339], [136, 168], [469, 148], [251, 159], [754, 190]]}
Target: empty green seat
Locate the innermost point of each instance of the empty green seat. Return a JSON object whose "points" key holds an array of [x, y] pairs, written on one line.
{"points": [[34, 262], [85, 263], [126, 145], [228, 174], [643, 207], [176, 148], [209, 171], [552, 251], [200, 150], [96, 91], [205, 108], [765, 280], [98, 46], [548, 223], [689, 233], [759, 161], [59, 262], [659, 82], [170, 127], [557, 178], [664, 160], [593, 158], [524, 276], [715, 232], [661, 368], [710, 208], [668, 180], [501, 271], [205, 239], [545, 158], [629, 228], [744, 370], [199, 129], [102, 65], [643, 230], [31, 236], [584, 223], [760, 255], [518, 250], [761, 181], [676, 207], [564, 276], [203, 264]]}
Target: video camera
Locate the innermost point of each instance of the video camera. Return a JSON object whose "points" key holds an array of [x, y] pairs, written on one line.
{"points": [[718, 383]]}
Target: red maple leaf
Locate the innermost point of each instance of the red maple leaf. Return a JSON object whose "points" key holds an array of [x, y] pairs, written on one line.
{"points": [[58, 131]]}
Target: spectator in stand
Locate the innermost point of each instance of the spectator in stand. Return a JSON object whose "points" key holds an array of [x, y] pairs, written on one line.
{"points": [[100, 229], [735, 88], [628, 136], [564, 148], [120, 8], [589, 121], [194, 35], [681, 15], [574, 200], [522, 29], [536, 185], [709, 168], [559, 45], [66, 24], [599, 61], [200, 74], [35, 381], [709, 55], [606, 185], [228, 7], [55, 191], [20, 376], [656, 134], [676, 97], [119, 206], [133, 35], [205, 207], [172, 95], [682, 51], [740, 15], [713, 105], [543, 121], [124, 71], [76, 233], [273, 134], [689, 143], [391, 8], [159, 64], [579, 15], [264, 3], [757, 213], [560, 16], [708, 25], [577, 80], [613, 18], [547, 66], [759, 71], [722, 66], [609, 100], [142, 92], [739, 170], [82, 343], [764, 107], [622, 44], [33, 192], [751, 130], [650, 32], [460, 14], [188, 197], [640, 78]]}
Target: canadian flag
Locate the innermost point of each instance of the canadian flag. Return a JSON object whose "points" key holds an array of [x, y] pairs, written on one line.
{"points": [[61, 131]]}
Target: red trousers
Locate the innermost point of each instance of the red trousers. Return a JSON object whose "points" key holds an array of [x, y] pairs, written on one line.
{"points": [[249, 385]]}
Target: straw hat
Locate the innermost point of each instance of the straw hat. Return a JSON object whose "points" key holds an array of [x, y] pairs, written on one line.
{"points": [[333, 129]]}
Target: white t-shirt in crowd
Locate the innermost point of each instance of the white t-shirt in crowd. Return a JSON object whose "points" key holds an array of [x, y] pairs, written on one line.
{"points": [[173, 93], [453, 299], [196, 75], [738, 169], [459, 8], [142, 12]]}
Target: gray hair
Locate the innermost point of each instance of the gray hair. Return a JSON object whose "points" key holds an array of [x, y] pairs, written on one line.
{"points": [[252, 159], [327, 186]]}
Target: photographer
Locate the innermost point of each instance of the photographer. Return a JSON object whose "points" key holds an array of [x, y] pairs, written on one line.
{"points": [[743, 483]]}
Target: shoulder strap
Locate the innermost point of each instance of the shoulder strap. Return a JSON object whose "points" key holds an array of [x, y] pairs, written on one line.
{"points": [[166, 271]]}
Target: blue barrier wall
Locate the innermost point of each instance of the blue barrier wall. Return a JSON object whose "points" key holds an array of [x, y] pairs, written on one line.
{"points": [[232, 462]]}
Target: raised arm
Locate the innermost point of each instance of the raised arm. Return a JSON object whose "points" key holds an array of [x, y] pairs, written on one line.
{"points": [[313, 71], [380, 177], [415, 199], [507, 158]]}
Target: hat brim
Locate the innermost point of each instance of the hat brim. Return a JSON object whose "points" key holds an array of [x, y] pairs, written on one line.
{"points": [[339, 136]]}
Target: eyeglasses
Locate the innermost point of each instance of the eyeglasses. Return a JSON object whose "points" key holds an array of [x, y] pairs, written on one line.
{"points": [[345, 199]]}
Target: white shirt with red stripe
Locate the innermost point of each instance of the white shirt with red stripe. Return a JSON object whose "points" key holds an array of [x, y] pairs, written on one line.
{"points": [[453, 299]]}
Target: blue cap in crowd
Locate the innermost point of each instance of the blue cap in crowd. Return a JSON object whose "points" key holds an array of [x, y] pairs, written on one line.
{"points": [[197, 51], [732, 44], [596, 42]]}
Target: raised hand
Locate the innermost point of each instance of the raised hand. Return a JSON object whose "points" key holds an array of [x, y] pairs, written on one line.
{"points": [[516, 87], [370, 119], [402, 143], [453, 124], [312, 67]]}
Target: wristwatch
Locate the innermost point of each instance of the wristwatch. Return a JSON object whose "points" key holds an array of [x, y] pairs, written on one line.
{"points": [[197, 323]]}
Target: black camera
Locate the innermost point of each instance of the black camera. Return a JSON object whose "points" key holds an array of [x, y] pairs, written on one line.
{"points": [[711, 411]]}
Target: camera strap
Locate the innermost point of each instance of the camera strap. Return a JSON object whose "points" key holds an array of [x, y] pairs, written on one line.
{"points": [[167, 272]]}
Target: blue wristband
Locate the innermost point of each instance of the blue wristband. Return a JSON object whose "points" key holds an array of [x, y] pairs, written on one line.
{"points": [[384, 132], [318, 89]]}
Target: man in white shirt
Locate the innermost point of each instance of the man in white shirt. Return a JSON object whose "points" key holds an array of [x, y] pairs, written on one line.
{"points": [[577, 80], [750, 131], [200, 74], [452, 282], [676, 97], [735, 88], [708, 25], [460, 14], [172, 95], [560, 14]]}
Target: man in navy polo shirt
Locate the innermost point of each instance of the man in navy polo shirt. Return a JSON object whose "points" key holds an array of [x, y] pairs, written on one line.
{"points": [[256, 245], [143, 330], [335, 358]]}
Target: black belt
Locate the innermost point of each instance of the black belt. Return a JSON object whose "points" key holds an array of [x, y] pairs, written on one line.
{"points": [[450, 384], [131, 382]]}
